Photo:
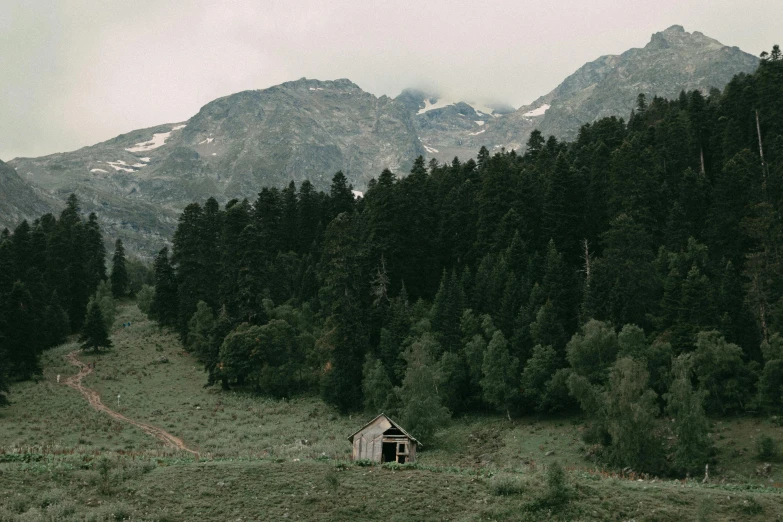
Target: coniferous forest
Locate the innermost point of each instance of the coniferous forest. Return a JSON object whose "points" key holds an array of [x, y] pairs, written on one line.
{"points": [[48, 271], [632, 273], [53, 283]]}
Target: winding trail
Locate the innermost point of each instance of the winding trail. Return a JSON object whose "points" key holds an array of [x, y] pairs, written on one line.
{"points": [[75, 382]]}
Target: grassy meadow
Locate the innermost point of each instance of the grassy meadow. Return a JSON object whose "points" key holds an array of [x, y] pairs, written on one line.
{"points": [[263, 459]]}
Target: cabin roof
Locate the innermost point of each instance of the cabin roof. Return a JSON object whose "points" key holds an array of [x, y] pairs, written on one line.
{"points": [[392, 423]]}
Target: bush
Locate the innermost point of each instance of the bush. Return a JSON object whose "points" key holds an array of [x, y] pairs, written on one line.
{"points": [[144, 299], [766, 448], [506, 485], [331, 480], [557, 491], [104, 466]]}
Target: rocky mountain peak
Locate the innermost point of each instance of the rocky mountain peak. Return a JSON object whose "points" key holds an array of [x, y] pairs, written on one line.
{"points": [[310, 128], [677, 36], [308, 84]]}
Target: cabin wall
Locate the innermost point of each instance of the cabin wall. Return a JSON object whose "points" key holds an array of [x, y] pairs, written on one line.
{"points": [[368, 444], [411, 451]]}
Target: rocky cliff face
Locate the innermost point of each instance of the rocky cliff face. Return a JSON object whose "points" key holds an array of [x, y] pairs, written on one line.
{"points": [[673, 60], [20, 200], [309, 129]]}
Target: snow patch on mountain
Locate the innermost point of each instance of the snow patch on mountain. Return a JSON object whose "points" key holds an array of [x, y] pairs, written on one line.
{"points": [[482, 131], [99, 170], [158, 140], [481, 109], [120, 165], [429, 106], [537, 111], [429, 149], [479, 122]]}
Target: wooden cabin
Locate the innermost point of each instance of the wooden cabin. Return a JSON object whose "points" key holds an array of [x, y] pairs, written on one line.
{"points": [[383, 440]]}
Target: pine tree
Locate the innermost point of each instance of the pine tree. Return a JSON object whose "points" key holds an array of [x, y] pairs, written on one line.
{"points": [[22, 322], [164, 302], [500, 369], [547, 330], [447, 311], [562, 209], [58, 325], [96, 252], [376, 387], [119, 272], [691, 427], [200, 329], [539, 369], [340, 196], [454, 385], [95, 335]]}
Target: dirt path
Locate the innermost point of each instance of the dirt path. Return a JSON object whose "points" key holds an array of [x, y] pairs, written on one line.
{"points": [[94, 399]]}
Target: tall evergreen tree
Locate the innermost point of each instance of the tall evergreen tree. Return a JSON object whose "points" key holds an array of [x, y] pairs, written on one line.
{"points": [[95, 334], [119, 272], [164, 302]]}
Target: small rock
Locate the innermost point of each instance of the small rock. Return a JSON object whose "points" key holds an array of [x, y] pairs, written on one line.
{"points": [[550, 452], [764, 470]]}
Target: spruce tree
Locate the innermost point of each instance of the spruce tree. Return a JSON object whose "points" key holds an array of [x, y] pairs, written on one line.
{"points": [[691, 426], [164, 301], [95, 334], [96, 252], [119, 272], [23, 322], [538, 372], [500, 373], [376, 387]]}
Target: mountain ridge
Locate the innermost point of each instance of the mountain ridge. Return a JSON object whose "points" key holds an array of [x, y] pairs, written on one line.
{"points": [[309, 129]]}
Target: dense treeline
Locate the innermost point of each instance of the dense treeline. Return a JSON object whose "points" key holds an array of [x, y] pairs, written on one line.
{"points": [[53, 283], [632, 264], [48, 270]]}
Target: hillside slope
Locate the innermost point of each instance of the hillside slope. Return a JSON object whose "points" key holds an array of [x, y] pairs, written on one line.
{"points": [[20, 200]]}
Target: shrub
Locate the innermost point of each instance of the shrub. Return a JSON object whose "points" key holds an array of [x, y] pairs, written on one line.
{"points": [[331, 479], [557, 491], [506, 485], [766, 448], [103, 466]]}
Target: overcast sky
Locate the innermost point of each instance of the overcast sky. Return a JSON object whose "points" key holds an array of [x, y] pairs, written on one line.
{"points": [[73, 73]]}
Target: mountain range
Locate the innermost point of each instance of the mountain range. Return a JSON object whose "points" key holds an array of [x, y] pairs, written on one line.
{"points": [[138, 182]]}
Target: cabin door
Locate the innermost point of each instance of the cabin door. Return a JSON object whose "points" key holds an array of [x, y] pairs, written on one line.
{"points": [[389, 453]]}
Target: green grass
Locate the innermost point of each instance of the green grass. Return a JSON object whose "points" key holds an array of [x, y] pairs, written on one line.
{"points": [[262, 458], [72, 489]]}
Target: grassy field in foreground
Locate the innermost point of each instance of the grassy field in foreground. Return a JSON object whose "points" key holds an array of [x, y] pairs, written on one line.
{"points": [[262, 458], [70, 488]]}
